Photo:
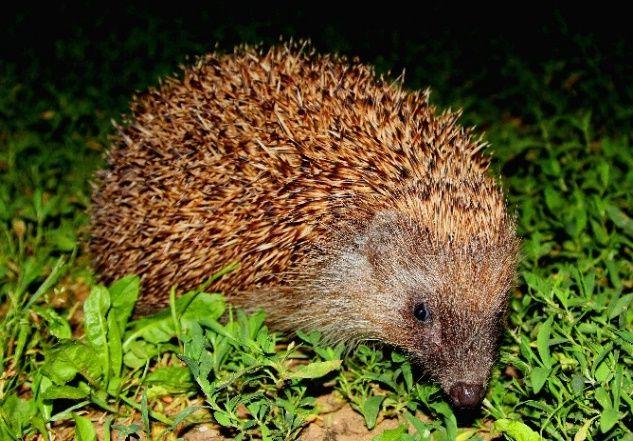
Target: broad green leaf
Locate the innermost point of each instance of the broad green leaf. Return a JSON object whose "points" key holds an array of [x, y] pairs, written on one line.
{"points": [[315, 370], [138, 353], [200, 306], [63, 363], [192, 306], [173, 379], [84, 430], [516, 430], [543, 342], [17, 413], [67, 392], [95, 309], [153, 331], [538, 377], [370, 408], [603, 397], [407, 374], [313, 337], [123, 295], [608, 417]]}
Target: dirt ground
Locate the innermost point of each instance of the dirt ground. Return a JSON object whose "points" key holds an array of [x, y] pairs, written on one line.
{"points": [[336, 421]]}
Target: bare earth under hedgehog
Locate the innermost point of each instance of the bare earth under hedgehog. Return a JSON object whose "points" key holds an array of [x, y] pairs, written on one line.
{"points": [[351, 205]]}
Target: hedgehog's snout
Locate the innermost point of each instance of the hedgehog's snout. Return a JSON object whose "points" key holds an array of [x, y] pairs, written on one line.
{"points": [[466, 395]]}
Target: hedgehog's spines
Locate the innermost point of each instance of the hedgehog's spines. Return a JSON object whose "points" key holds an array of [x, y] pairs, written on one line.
{"points": [[269, 147]]}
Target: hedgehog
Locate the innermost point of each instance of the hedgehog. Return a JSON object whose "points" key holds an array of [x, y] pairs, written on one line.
{"points": [[352, 206]]}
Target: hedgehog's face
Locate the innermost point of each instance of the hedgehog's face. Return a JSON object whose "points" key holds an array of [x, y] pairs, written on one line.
{"points": [[444, 305]]}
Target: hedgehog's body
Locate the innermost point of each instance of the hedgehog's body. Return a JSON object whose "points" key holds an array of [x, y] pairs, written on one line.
{"points": [[345, 199]]}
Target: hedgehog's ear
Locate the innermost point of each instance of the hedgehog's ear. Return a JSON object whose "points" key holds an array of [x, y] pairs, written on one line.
{"points": [[381, 236]]}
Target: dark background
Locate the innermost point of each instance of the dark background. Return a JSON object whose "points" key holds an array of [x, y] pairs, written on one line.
{"points": [[111, 49]]}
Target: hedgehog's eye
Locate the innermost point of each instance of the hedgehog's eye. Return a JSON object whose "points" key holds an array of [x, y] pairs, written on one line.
{"points": [[421, 312]]}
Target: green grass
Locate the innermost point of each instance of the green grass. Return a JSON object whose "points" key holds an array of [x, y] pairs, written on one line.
{"points": [[561, 131]]}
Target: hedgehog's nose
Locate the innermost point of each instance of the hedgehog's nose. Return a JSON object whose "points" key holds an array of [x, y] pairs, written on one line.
{"points": [[466, 395]]}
